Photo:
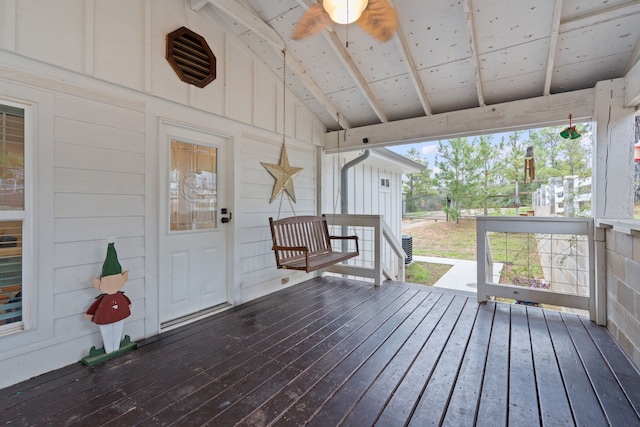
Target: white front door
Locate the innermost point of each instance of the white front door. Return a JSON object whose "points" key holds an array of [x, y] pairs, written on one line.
{"points": [[194, 221]]}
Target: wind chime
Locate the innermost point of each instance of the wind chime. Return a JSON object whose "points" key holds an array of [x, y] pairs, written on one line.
{"points": [[529, 165]]}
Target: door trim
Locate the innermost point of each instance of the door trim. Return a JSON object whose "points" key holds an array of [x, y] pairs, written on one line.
{"points": [[168, 128]]}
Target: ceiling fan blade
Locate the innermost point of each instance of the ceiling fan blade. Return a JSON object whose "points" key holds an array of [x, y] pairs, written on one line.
{"points": [[379, 19], [313, 20]]}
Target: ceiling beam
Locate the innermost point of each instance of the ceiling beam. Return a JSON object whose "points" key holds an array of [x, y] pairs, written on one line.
{"points": [[553, 43], [598, 17], [473, 46], [196, 5], [531, 113], [632, 87], [250, 20], [352, 69], [413, 70], [633, 58], [253, 22], [350, 66]]}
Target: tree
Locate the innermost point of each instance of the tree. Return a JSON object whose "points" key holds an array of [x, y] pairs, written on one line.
{"points": [[557, 157], [576, 153], [511, 162], [459, 174], [486, 153], [417, 184], [512, 159]]}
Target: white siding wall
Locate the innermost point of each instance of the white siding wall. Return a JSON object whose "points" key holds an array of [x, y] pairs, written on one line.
{"points": [[365, 196], [96, 74], [257, 259]]}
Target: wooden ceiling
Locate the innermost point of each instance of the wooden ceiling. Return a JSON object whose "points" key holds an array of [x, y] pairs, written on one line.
{"points": [[447, 55]]}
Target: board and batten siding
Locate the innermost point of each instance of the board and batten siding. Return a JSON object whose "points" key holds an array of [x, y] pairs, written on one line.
{"points": [[98, 106], [365, 196], [258, 266]]}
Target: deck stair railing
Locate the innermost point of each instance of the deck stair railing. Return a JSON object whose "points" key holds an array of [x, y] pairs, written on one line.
{"points": [[381, 254], [547, 260]]}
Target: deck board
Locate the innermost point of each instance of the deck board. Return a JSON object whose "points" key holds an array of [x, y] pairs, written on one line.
{"points": [[552, 396], [462, 408], [492, 409], [618, 411], [432, 405], [585, 405], [331, 351], [523, 398]]}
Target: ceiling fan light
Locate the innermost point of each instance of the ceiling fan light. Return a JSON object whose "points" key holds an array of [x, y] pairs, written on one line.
{"points": [[344, 11]]}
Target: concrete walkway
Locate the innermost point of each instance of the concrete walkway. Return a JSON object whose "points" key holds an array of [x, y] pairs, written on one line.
{"points": [[462, 276]]}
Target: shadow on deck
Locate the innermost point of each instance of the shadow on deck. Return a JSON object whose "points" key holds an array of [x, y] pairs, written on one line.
{"points": [[331, 351]]}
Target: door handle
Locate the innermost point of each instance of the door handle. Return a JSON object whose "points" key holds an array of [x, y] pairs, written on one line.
{"points": [[225, 219]]}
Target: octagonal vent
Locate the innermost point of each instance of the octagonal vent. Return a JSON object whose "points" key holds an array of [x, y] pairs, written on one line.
{"points": [[190, 56]]}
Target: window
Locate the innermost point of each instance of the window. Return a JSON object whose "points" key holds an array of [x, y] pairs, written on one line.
{"points": [[13, 214], [385, 183], [193, 187]]}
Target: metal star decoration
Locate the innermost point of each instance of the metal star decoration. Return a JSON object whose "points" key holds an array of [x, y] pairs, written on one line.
{"points": [[284, 175]]}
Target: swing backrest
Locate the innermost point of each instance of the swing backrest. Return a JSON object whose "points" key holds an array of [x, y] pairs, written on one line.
{"points": [[310, 232], [304, 243]]}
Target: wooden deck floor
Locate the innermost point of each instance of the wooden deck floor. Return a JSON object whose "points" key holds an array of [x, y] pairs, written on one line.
{"points": [[335, 352]]}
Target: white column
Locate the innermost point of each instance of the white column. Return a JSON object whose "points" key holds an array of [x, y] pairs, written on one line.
{"points": [[612, 184]]}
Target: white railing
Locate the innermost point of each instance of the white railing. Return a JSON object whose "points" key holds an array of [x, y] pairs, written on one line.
{"points": [[563, 249], [381, 254]]}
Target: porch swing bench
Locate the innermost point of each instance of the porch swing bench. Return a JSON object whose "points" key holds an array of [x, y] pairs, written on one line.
{"points": [[303, 243]]}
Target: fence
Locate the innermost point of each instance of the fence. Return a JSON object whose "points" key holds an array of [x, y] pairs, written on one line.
{"points": [[569, 197]]}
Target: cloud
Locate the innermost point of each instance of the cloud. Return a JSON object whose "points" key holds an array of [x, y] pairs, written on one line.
{"points": [[430, 149]]}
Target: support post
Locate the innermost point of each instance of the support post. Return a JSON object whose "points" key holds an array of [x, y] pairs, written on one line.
{"points": [[612, 152]]}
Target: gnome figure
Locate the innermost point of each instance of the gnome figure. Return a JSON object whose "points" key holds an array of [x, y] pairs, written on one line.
{"points": [[112, 306]]}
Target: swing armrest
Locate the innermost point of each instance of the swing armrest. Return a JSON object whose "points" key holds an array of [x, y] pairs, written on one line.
{"points": [[344, 237], [354, 238]]}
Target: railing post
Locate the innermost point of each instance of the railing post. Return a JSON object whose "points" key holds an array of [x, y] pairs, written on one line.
{"points": [[598, 289], [377, 264], [481, 234]]}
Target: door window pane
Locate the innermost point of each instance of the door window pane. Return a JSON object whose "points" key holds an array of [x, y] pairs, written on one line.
{"points": [[192, 187]]}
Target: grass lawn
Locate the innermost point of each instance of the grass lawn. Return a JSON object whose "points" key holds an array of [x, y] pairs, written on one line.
{"points": [[443, 239], [518, 251], [425, 273]]}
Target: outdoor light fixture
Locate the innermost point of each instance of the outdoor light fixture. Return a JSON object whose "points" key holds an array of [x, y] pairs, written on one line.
{"points": [[570, 132], [344, 11]]}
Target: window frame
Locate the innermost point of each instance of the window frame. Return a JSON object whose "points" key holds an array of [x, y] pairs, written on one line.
{"points": [[26, 217], [384, 183]]}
